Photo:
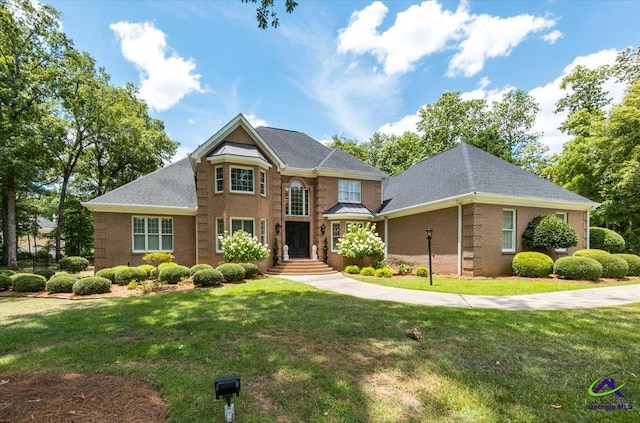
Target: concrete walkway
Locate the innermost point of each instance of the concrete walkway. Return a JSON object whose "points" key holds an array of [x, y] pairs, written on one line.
{"points": [[581, 298]]}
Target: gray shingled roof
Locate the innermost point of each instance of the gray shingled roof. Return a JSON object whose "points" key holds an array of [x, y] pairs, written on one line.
{"points": [[237, 149], [44, 223], [341, 160], [348, 208], [172, 186], [466, 169], [294, 148]]}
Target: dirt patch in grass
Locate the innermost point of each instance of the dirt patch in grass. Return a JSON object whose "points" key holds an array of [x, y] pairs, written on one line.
{"points": [[71, 397]]}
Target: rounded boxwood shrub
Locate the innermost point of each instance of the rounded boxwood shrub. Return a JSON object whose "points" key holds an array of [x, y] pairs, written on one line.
{"points": [[148, 269], [612, 266], [250, 270], [107, 273], [61, 284], [232, 272], [606, 239], [384, 273], [73, 264], [129, 274], [352, 269], [174, 274], [7, 273], [92, 285], [422, 272], [578, 268], [590, 252], [634, 263], [531, 264], [28, 282], [5, 283], [197, 267], [208, 277], [368, 271], [545, 232], [164, 265], [47, 273]]}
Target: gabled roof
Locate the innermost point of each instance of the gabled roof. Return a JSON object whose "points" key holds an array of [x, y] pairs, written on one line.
{"points": [[340, 210], [294, 148], [170, 189], [341, 160], [229, 148], [467, 171]]}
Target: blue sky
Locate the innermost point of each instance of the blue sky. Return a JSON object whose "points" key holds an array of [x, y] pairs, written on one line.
{"points": [[343, 67]]}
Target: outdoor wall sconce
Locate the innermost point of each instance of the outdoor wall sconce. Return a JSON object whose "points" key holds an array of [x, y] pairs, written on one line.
{"points": [[429, 231], [226, 387], [322, 228], [278, 226]]}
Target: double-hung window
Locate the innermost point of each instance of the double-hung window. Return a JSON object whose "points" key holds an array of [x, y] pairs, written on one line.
{"points": [[335, 235], [219, 232], [241, 180], [219, 179], [263, 183], [152, 234], [263, 232], [349, 191], [242, 224], [508, 231]]}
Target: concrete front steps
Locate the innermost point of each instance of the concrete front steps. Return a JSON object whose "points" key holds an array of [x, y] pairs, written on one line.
{"points": [[300, 267]]}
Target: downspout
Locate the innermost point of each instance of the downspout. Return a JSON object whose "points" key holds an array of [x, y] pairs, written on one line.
{"points": [[459, 238], [587, 241], [197, 249], [386, 236]]}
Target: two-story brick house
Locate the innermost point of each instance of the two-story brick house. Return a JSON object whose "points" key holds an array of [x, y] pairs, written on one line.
{"points": [[284, 186]]}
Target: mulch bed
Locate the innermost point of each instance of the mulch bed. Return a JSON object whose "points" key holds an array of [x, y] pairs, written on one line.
{"points": [[70, 397]]}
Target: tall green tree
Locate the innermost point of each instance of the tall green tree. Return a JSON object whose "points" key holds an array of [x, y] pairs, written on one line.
{"points": [[31, 47], [350, 146], [266, 14]]}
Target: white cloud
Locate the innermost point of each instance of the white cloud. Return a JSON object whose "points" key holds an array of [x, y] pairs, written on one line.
{"points": [[491, 95], [427, 28], [255, 121], [407, 123], [547, 96], [181, 152], [191, 121], [552, 37], [165, 77]]}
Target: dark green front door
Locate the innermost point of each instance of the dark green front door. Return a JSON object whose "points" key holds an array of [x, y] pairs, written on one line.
{"points": [[297, 234]]}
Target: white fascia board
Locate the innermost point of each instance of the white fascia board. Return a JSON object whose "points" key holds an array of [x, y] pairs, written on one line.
{"points": [[544, 203], [229, 158], [427, 207], [219, 136], [137, 209], [335, 173]]}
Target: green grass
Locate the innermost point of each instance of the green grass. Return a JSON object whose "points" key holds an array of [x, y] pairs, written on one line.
{"points": [[498, 286], [306, 355]]}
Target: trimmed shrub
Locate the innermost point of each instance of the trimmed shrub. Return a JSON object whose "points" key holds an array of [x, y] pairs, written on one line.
{"points": [[148, 269], [243, 247], [174, 274], [198, 267], [422, 271], [47, 273], [92, 285], [250, 270], [368, 271], [634, 263], [61, 284], [545, 232], [352, 269], [208, 277], [130, 274], [381, 264], [231, 272], [133, 285], [162, 266], [612, 266], [531, 264], [606, 239], [155, 259], [578, 268], [107, 273], [404, 269], [384, 273], [590, 252], [73, 264], [28, 282], [7, 273], [5, 283]]}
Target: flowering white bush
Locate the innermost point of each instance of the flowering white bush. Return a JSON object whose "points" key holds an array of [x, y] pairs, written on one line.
{"points": [[360, 242], [242, 247]]}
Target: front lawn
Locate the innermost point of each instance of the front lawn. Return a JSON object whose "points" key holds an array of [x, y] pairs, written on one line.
{"points": [[482, 286], [306, 355]]}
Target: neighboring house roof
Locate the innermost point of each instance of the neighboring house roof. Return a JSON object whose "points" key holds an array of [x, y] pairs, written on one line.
{"points": [[467, 171], [348, 210], [170, 189], [44, 223]]}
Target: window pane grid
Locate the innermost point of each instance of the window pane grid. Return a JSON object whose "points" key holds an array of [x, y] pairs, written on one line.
{"points": [[263, 183], [152, 234], [241, 180], [335, 235], [219, 232], [219, 179], [242, 224], [349, 191], [508, 231]]}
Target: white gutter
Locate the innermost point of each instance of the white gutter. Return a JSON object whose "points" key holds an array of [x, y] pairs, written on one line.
{"points": [[386, 236], [588, 241], [459, 239]]}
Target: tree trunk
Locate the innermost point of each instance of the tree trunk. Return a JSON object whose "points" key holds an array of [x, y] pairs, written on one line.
{"points": [[5, 225], [11, 240], [59, 223]]}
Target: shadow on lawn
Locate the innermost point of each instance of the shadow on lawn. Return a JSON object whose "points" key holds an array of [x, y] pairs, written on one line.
{"points": [[308, 355]]}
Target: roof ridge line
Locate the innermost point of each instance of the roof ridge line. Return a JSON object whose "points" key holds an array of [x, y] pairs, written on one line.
{"points": [[468, 167], [327, 157]]}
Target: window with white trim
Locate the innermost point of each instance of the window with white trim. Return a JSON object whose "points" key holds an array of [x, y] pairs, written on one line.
{"points": [[219, 232], [562, 216], [219, 187], [335, 235], [242, 224], [241, 179], [296, 199], [508, 231], [263, 232], [349, 224], [152, 234], [263, 183], [349, 191]]}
